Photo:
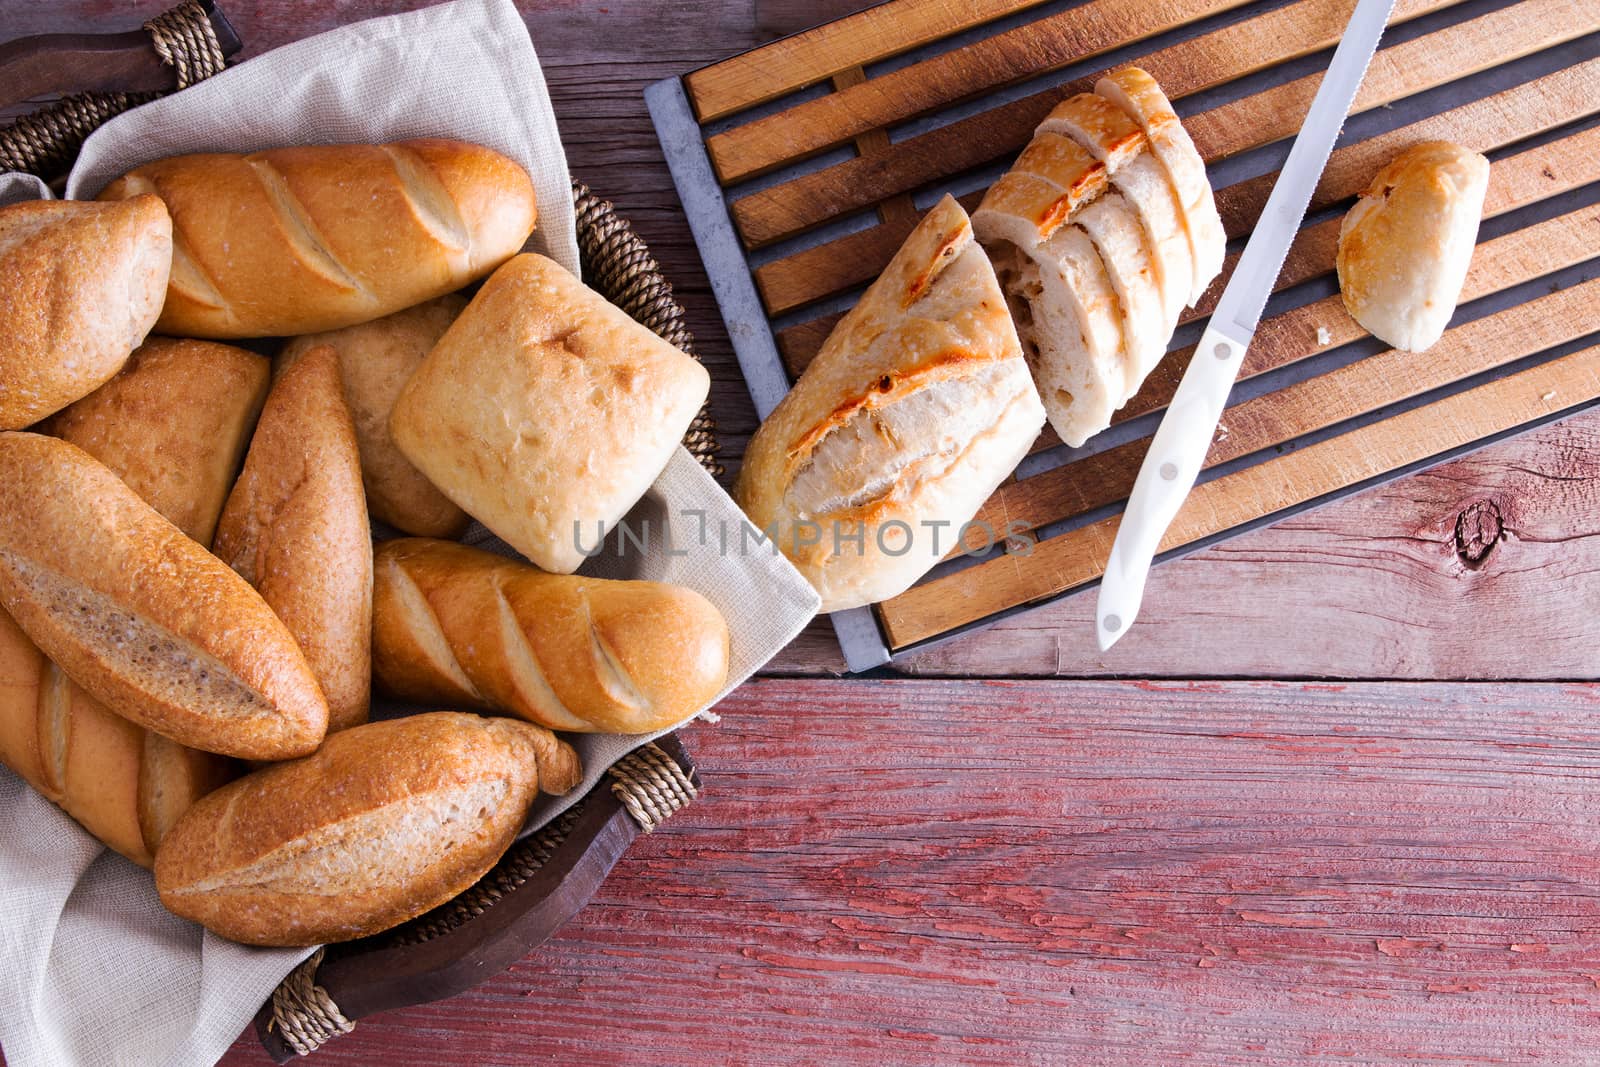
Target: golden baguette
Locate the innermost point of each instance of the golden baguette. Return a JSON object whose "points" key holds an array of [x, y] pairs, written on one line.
{"points": [[386, 821], [376, 359], [295, 528], [145, 619], [296, 240], [455, 625], [83, 285]]}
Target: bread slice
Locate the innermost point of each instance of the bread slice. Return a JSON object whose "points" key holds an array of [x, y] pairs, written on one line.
{"points": [[1136, 92], [1108, 134], [146, 620], [1113, 225]]}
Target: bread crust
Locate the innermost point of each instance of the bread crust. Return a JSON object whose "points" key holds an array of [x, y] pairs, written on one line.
{"points": [[376, 359], [142, 617], [458, 626], [295, 527], [384, 822], [545, 411], [84, 284], [932, 332], [338, 234], [1405, 247]]}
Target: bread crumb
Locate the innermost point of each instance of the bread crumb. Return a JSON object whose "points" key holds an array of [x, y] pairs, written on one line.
{"points": [[1551, 395], [710, 716], [1323, 336], [1222, 432]]}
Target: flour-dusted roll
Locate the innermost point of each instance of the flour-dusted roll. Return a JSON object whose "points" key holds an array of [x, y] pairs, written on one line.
{"points": [[1136, 92], [385, 821], [80, 287], [545, 412], [297, 240], [173, 424], [143, 618], [456, 626], [1405, 246], [376, 360], [915, 410], [295, 527]]}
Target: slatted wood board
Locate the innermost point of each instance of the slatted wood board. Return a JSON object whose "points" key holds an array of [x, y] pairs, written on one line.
{"points": [[804, 164]]}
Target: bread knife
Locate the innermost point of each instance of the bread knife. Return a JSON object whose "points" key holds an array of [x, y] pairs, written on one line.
{"points": [[1179, 448]]}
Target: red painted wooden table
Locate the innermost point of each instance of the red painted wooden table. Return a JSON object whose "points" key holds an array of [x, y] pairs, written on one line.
{"points": [[1358, 856]]}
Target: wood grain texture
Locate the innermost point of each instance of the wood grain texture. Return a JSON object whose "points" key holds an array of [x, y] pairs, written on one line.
{"points": [[1204, 62], [1118, 872]]}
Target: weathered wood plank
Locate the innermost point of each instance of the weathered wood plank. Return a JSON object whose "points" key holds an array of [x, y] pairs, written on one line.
{"points": [[813, 126], [1523, 111], [818, 54], [1515, 182], [1074, 558], [1038, 872], [1188, 67]]}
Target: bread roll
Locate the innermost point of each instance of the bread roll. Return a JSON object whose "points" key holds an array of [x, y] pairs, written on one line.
{"points": [[1405, 246], [1136, 92], [545, 412], [916, 408], [386, 821], [337, 234], [295, 527], [124, 784], [145, 619], [458, 626], [173, 424], [83, 284], [376, 359]]}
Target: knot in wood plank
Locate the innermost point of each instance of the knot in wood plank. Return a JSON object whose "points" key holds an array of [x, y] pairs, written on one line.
{"points": [[1479, 527]]}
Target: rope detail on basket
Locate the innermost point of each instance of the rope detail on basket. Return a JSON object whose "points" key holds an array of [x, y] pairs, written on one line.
{"points": [[617, 263], [651, 785], [302, 1010], [186, 41], [44, 142]]}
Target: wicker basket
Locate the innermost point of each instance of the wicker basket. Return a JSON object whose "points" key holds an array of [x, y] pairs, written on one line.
{"points": [[544, 879]]}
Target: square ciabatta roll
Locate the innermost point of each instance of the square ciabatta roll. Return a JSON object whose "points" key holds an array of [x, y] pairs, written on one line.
{"points": [[545, 412], [916, 408], [1101, 232]]}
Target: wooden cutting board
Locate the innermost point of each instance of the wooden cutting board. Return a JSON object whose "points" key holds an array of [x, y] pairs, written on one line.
{"points": [[805, 163]]}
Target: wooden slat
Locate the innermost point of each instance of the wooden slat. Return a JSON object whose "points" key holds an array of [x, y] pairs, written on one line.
{"points": [[1408, 68], [1279, 417], [1046, 44], [763, 74], [1076, 557], [1515, 182], [1484, 124]]}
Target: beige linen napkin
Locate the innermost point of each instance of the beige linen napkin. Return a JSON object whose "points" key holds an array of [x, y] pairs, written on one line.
{"points": [[92, 969]]}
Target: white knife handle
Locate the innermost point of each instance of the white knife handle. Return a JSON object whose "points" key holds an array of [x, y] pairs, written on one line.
{"points": [[1171, 466]]}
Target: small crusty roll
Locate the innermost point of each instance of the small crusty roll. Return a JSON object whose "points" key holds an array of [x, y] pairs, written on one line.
{"points": [[122, 783], [544, 411], [386, 821], [1405, 246], [916, 409], [295, 527], [296, 240], [173, 424], [145, 619], [455, 625], [376, 359], [83, 285]]}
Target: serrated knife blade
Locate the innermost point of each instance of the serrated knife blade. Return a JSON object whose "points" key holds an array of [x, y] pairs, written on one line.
{"points": [[1178, 450]]}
